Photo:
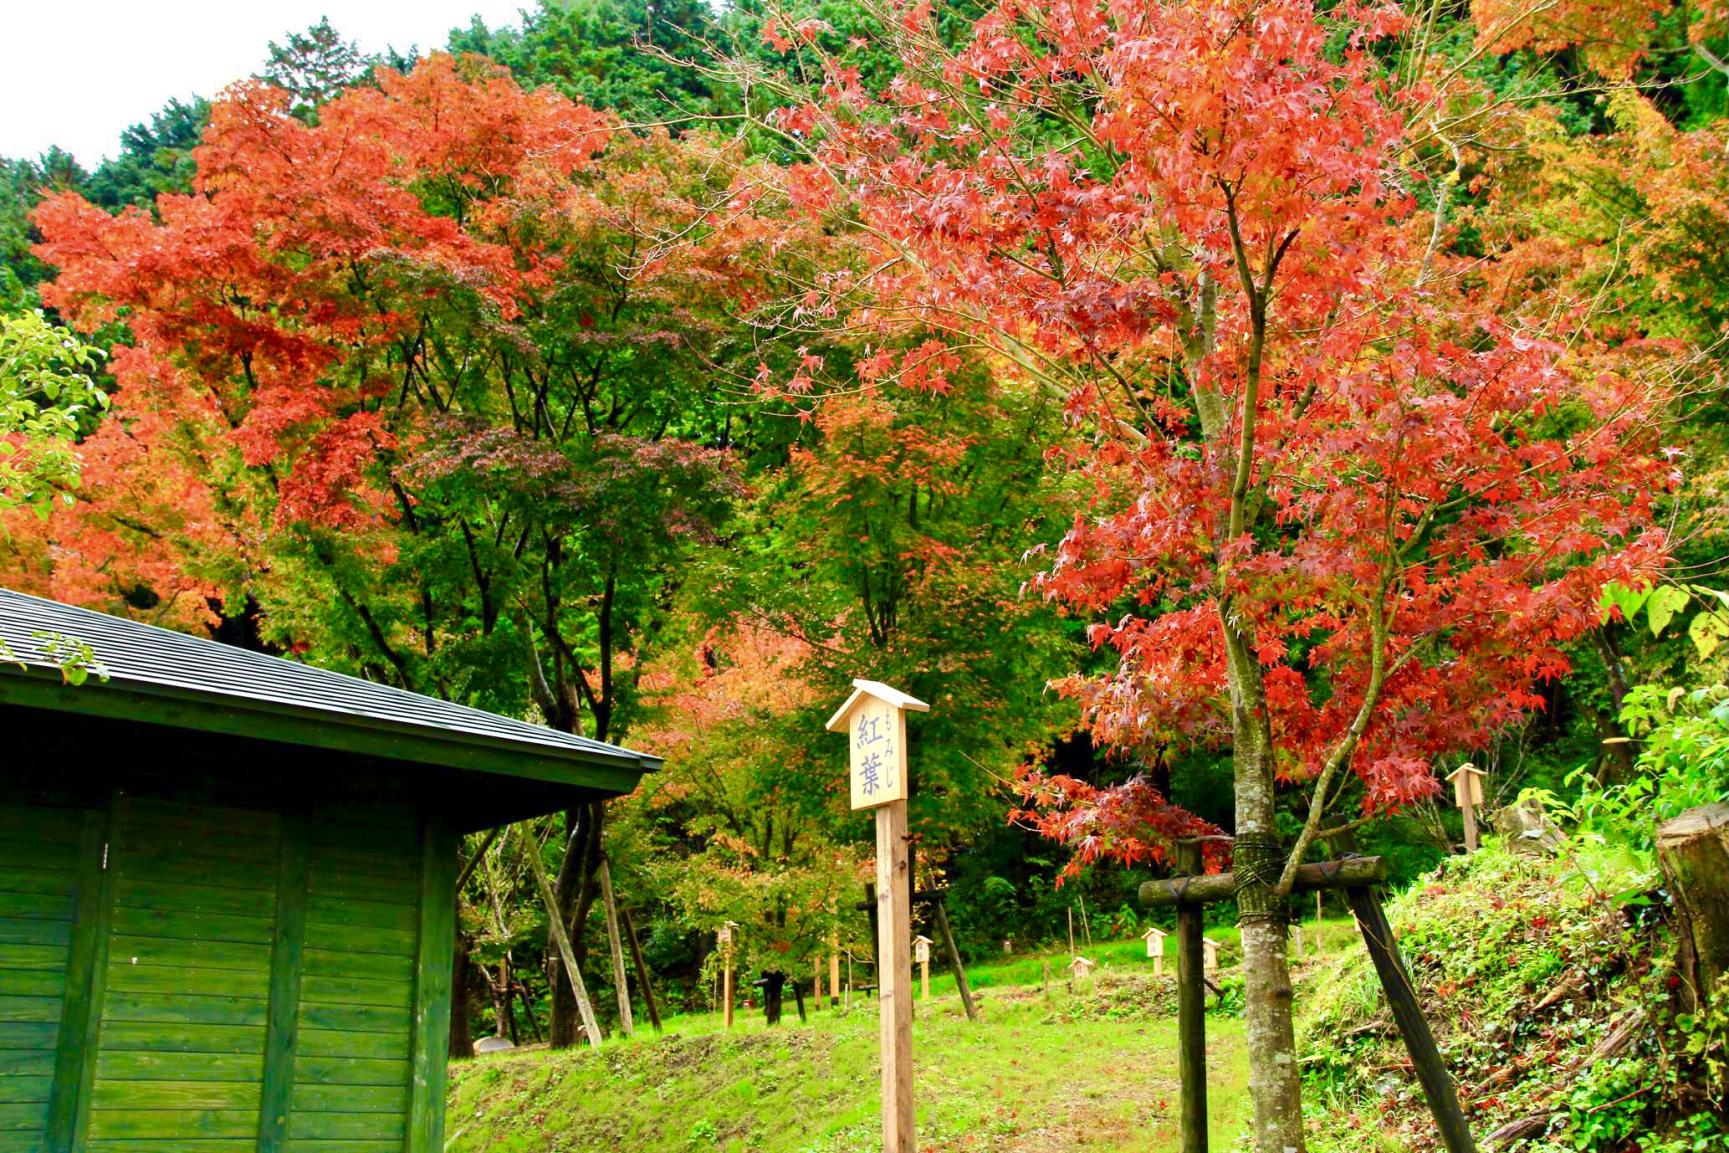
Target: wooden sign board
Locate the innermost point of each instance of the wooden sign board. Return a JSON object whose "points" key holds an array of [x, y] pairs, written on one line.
{"points": [[874, 721], [1467, 785], [1212, 953], [922, 950], [1155, 942]]}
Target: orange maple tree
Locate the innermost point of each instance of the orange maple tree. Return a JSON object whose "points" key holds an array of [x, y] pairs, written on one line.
{"points": [[1345, 517]]}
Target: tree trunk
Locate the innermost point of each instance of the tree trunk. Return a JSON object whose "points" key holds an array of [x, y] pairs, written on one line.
{"points": [[773, 984], [1258, 859], [462, 996], [1693, 851], [576, 891]]}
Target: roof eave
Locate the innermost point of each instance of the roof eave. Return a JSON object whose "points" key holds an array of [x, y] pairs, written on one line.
{"points": [[321, 728]]}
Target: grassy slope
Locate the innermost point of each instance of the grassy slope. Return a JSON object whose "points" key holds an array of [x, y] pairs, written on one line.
{"points": [[1094, 1071], [1524, 966]]}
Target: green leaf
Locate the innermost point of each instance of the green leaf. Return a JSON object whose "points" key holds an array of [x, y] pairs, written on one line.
{"points": [[1666, 601], [1621, 597], [1707, 630]]}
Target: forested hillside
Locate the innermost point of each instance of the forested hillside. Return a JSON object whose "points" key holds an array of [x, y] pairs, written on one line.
{"points": [[650, 370]]}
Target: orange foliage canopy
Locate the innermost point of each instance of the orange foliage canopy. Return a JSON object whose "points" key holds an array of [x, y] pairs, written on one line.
{"points": [[1338, 502]]}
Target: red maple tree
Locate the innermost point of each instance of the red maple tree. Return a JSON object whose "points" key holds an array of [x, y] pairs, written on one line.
{"points": [[1343, 517]]}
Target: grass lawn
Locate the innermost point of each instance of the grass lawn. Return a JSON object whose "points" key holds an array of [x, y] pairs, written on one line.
{"points": [[1091, 1071]]}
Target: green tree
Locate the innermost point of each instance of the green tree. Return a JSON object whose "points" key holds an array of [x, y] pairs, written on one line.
{"points": [[46, 393]]}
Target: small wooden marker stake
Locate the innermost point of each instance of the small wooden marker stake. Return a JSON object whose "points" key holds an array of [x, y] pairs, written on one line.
{"points": [[724, 939], [875, 723], [1468, 794], [1212, 949], [922, 954], [1156, 949], [1297, 941]]}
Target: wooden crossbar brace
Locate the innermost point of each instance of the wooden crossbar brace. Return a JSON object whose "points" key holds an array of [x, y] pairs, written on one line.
{"points": [[1359, 877]]}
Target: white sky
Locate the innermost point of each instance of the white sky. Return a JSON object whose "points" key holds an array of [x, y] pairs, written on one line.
{"points": [[77, 72]]}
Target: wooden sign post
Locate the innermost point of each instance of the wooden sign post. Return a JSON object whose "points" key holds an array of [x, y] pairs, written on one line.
{"points": [[1297, 941], [1156, 949], [875, 723], [724, 939], [922, 954], [1468, 794]]}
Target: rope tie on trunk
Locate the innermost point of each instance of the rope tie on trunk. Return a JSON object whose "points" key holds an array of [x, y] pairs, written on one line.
{"points": [[1258, 859]]}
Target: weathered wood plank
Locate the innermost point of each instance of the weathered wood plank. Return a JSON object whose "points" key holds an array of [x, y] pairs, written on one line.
{"points": [[171, 1124], [17, 1089], [353, 1071], [33, 932], [36, 906], [369, 915], [205, 956], [369, 966], [40, 879], [26, 1063], [179, 1066], [275, 1101], [307, 1125], [432, 987], [360, 939], [132, 893], [32, 1118], [184, 1010], [84, 944], [31, 1035], [180, 925], [28, 1009], [186, 981], [1209, 888], [35, 982], [171, 1096], [356, 1018], [47, 958], [159, 1037], [351, 1098], [357, 991], [340, 1043]]}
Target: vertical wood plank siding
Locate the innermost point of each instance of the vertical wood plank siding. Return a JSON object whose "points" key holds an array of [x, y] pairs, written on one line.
{"points": [[432, 987], [187, 977]]}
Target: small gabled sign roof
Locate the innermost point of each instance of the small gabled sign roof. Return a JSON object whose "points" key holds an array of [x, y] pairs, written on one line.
{"points": [[1082, 963], [925, 939], [881, 692], [1155, 931], [160, 677], [1467, 767]]}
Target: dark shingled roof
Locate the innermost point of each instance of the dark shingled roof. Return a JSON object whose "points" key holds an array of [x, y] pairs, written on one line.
{"points": [[143, 661]]}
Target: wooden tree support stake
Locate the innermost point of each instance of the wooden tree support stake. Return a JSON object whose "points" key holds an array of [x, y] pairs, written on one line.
{"points": [[1191, 1010], [614, 938], [561, 938], [642, 978], [960, 970], [1402, 999]]}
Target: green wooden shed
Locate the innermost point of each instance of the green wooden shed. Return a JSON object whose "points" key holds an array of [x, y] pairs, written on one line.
{"points": [[227, 902]]}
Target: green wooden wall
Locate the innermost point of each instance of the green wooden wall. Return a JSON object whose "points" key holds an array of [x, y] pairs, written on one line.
{"points": [[181, 976]]}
